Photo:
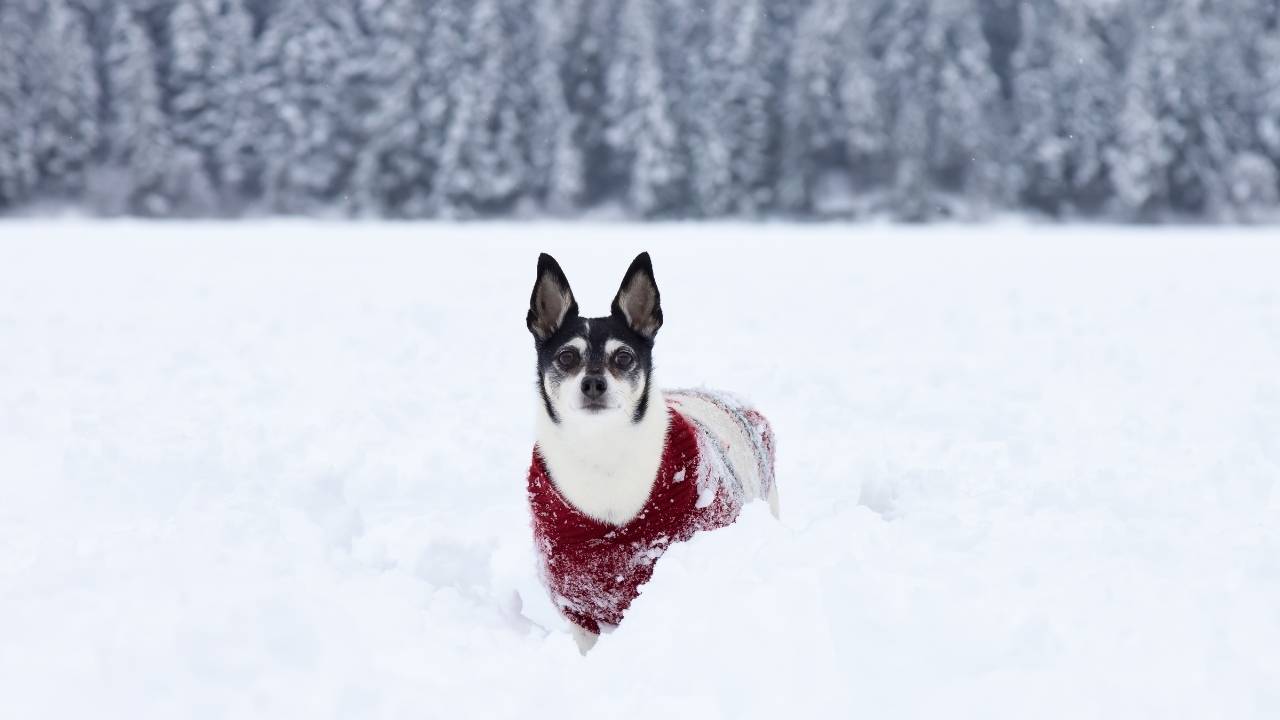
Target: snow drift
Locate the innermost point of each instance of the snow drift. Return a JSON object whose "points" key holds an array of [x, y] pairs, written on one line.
{"points": [[278, 471]]}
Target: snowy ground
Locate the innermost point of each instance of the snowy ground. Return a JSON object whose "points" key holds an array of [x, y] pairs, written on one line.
{"points": [[276, 471]]}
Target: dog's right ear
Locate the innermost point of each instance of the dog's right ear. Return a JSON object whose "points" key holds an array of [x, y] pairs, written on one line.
{"points": [[552, 300]]}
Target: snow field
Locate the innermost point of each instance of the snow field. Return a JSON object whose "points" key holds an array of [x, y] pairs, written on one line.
{"points": [[276, 470]]}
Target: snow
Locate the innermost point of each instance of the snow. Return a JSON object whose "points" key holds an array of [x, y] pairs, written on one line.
{"points": [[277, 470]]}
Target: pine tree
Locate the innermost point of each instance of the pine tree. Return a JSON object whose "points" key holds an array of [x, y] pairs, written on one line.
{"points": [[1236, 46], [1088, 75], [380, 116], [434, 98], [555, 161], [591, 29], [1040, 144], [747, 99], [779, 30], [906, 72], [942, 102], [812, 111], [643, 136], [234, 162], [67, 96], [1268, 119], [724, 106], [17, 123], [834, 109], [1189, 116], [1066, 102], [306, 156], [1140, 159], [965, 113], [209, 108], [194, 81], [138, 147], [1199, 107], [692, 54], [1171, 154], [483, 168]]}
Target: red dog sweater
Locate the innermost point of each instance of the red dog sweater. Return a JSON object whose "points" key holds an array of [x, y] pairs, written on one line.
{"points": [[593, 569]]}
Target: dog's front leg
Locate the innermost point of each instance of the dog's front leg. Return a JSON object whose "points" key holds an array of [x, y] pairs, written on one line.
{"points": [[583, 637]]}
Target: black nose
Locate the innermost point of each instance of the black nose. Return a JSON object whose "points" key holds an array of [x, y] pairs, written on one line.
{"points": [[593, 386]]}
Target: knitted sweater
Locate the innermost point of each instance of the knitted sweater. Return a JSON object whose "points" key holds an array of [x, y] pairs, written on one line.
{"points": [[594, 569]]}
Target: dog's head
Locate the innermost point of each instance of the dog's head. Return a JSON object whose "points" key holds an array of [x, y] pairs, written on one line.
{"points": [[594, 372]]}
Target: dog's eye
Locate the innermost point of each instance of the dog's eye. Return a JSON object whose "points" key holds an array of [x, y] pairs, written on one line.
{"points": [[568, 359], [623, 359]]}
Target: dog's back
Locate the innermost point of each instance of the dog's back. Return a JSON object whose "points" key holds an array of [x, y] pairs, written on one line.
{"points": [[737, 437]]}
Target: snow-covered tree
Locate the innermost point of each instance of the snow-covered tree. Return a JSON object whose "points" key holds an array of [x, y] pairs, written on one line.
{"points": [[1237, 45], [67, 96], [724, 97], [942, 102], [441, 53], [209, 104], [1268, 119], [590, 28], [379, 82], [1139, 161], [138, 146], [1066, 102], [17, 122], [833, 118], [966, 110], [747, 99], [193, 79], [555, 160], [1040, 143], [643, 135], [481, 163], [1158, 163], [692, 53], [306, 157]]}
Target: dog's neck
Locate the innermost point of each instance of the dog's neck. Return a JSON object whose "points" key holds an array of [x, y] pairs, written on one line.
{"points": [[606, 470]]}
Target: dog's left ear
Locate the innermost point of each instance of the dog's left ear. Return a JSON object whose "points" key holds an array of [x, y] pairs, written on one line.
{"points": [[638, 301]]}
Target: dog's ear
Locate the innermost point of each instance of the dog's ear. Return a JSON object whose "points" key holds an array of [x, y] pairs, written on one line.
{"points": [[552, 300], [638, 301]]}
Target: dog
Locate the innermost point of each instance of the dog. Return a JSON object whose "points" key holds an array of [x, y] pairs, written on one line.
{"points": [[620, 469]]}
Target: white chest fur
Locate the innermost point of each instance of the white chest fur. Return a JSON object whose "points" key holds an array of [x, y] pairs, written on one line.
{"points": [[606, 469]]}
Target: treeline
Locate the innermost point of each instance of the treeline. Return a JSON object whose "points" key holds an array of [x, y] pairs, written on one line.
{"points": [[911, 109]]}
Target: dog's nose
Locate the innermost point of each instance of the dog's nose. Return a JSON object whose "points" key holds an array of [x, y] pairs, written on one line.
{"points": [[593, 386]]}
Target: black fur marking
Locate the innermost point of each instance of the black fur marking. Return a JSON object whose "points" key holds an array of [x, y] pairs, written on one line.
{"points": [[546, 401], [642, 407]]}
